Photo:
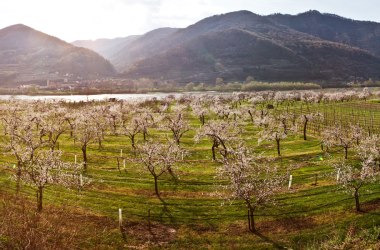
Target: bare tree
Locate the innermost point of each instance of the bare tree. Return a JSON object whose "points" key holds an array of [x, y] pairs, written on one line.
{"points": [[146, 120], [115, 115], [220, 132], [200, 111], [342, 136], [353, 178], [85, 133], [54, 125], [306, 118], [24, 138], [47, 168], [131, 129], [159, 158], [98, 116], [250, 179], [176, 123], [369, 149], [275, 128]]}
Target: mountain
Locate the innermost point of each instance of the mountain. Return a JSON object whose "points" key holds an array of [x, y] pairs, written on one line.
{"points": [[361, 34], [122, 52], [28, 55], [241, 44], [108, 48]]}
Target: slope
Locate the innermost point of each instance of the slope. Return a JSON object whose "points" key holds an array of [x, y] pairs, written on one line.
{"points": [[27, 54], [240, 44]]}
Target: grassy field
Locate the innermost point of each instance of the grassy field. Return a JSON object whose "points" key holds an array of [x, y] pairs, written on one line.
{"points": [[314, 211]]}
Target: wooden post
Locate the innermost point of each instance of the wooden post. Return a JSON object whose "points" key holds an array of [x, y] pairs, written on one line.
{"points": [[121, 153], [120, 218], [338, 175], [75, 159], [316, 180], [118, 164], [124, 164], [290, 181]]}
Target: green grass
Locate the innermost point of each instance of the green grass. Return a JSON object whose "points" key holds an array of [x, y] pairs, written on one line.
{"points": [[192, 205]]}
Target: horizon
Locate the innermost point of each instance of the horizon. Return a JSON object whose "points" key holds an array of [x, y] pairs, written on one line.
{"points": [[101, 19]]}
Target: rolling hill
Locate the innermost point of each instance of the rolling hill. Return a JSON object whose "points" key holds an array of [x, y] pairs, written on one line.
{"points": [[271, 48], [29, 55], [361, 34]]}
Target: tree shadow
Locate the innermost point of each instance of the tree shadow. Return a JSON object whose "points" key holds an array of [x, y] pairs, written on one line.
{"points": [[267, 239], [165, 212]]}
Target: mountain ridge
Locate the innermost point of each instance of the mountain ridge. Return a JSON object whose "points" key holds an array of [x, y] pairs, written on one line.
{"points": [[263, 61], [30, 55], [204, 50], [310, 46]]}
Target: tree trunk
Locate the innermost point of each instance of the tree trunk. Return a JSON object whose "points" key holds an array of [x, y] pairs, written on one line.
{"points": [[278, 147], [177, 139], [202, 119], [133, 142], [251, 116], [213, 152], [214, 146], [156, 187], [251, 220], [144, 134], [100, 143], [39, 199], [170, 171], [84, 153], [304, 130], [357, 203], [114, 126], [346, 153], [18, 179]]}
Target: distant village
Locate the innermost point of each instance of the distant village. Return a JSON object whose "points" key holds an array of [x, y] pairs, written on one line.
{"points": [[84, 86]]}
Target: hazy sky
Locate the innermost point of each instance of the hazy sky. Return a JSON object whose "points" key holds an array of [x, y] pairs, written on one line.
{"points": [[90, 19]]}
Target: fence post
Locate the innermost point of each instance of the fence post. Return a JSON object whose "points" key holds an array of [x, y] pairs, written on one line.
{"points": [[338, 175], [290, 181], [120, 218], [118, 164], [122, 230]]}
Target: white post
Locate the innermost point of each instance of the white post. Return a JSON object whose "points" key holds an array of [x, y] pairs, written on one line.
{"points": [[121, 153], [290, 181], [14, 166], [182, 155], [75, 159], [120, 218], [338, 175], [124, 164]]}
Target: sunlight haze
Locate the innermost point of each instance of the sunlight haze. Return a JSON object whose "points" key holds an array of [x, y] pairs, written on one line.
{"points": [[92, 19]]}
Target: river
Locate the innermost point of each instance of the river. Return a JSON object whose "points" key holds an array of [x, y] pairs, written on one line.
{"points": [[101, 97]]}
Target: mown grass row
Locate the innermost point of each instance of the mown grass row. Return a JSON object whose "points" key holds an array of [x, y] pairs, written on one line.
{"points": [[193, 199]]}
